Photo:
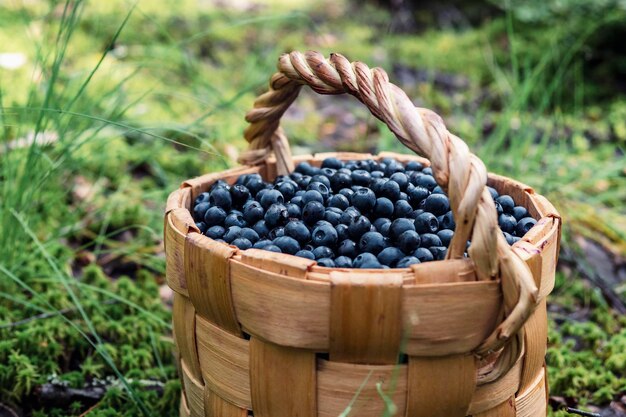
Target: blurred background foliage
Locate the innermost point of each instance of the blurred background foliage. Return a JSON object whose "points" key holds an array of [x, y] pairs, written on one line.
{"points": [[105, 107]]}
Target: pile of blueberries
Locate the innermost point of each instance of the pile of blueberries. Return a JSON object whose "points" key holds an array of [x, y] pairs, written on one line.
{"points": [[354, 214]]}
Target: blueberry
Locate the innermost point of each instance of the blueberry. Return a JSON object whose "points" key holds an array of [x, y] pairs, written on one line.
{"points": [[377, 185], [304, 181], [438, 204], [423, 254], [417, 195], [313, 211], [294, 211], [306, 169], [305, 254], [520, 212], [219, 184], [287, 189], [343, 262], [297, 199], [383, 208], [524, 225], [493, 192], [249, 234], [499, 210], [242, 243], [361, 177], [201, 226], [393, 167], [507, 203], [327, 172], [312, 195], [438, 190], [401, 179], [510, 239], [372, 242], [446, 236], [324, 235], [272, 248], [358, 227], [276, 215], [253, 212], [366, 260], [276, 232], [333, 215], [287, 244], [428, 171], [323, 179], [414, 166], [342, 232], [202, 198], [232, 233], [347, 248], [332, 163], [399, 226], [377, 174], [408, 241], [407, 261], [214, 216], [239, 195], [320, 188], [391, 190], [270, 197], [220, 197], [346, 192], [339, 201], [261, 228], [321, 252], [349, 215], [261, 244], [326, 262], [234, 219], [425, 181], [439, 252], [429, 239], [215, 232], [402, 208], [447, 221], [298, 230], [382, 226], [507, 223], [364, 200], [200, 210], [390, 256]]}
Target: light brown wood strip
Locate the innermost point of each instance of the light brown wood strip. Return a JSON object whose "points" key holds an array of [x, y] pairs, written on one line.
{"points": [[365, 323], [490, 396], [184, 409], [533, 401], [457, 270], [174, 256], [282, 381], [440, 387], [279, 263], [184, 318], [505, 409], [207, 272], [535, 342], [216, 406], [195, 391], [225, 363]]}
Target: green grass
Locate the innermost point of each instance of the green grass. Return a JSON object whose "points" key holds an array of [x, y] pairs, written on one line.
{"points": [[141, 96]]}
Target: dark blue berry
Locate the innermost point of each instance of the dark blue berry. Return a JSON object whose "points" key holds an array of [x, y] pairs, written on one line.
{"points": [[417, 195], [249, 234], [261, 244], [407, 261], [429, 239], [323, 179], [438, 190], [306, 169], [439, 252], [343, 262], [510, 239], [414, 166], [272, 248], [324, 235], [215, 232], [447, 221], [287, 244], [383, 207], [390, 256], [493, 192], [326, 262], [321, 252], [253, 212], [232, 233], [382, 226], [402, 208], [239, 195], [234, 219], [524, 225], [408, 241], [347, 248], [338, 201], [202, 198], [346, 192], [391, 190], [220, 197], [305, 254], [276, 215], [364, 199], [270, 197], [200, 210], [242, 243], [507, 223], [401, 179], [366, 260], [214, 216], [520, 212], [294, 211], [298, 230], [438, 204], [333, 215], [342, 232], [201, 226], [358, 227], [276, 232], [372, 242], [333, 163], [424, 181], [349, 215], [399, 226], [507, 203], [287, 189], [446, 236], [312, 195], [219, 184], [313, 211], [261, 228], [297, 200], [320, 188], [423, 254], [361, 177]]}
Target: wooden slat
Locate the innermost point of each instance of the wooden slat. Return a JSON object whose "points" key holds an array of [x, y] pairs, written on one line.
{"points": [[184, 411], [505, 409], [535, 342], [337, 384], [533, 401], [216, 406], [286, 311], [195, 391], [490, 396], [184, 318], [282, 380], [279, 263], [458, 270], [446, 319], [440, 387], [366, 325], [207, 272], [174, 256], [225, 364]]}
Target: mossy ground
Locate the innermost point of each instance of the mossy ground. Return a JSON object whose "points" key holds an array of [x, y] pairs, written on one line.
{"points": [[135, 106]]}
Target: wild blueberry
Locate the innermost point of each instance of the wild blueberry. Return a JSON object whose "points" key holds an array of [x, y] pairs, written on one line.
{"points": [[364, 199], [298, 230], [439, 252], [408, 241], [407, 261], [446, 236], [234, 219], [320, 188], [239, 195], [214, 215], [302, 253], [294, 211], [253, 212], [342, 232], [202, 198], [242, 243], [347, 248], [346, 192], [343, 262], [402, 208], [327, 262], [507, 222], [438, 190], [417, 195], [338, 201], [332, 163], [423, 254], [349, 215], [201, 226], [414, 166], [270, 197], [272, 248], [261, 244], [313, 211], [447, 221], [287, 189], [390, 256], [429, 239], [312, 195], [361, 177], [372, 242], [249, 234], [215, 232], [323, 252], [287, 244], [383, 207], [276, 232], [399, 226], [499, 210], [424, 181], [366, 260], [382, 226], [276, 215], [507, 203], [232, 233], [219, 184], [358, 227], [493, 192], [333, 215], [220, 197], [524, 225], [401, 179], [324, 235], [438, 204], [520, 212], [391, 190], [510, 239], [261, 228], [200, 210]]}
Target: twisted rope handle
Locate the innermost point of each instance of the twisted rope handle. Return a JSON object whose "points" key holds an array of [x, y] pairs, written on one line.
{"points": [[461, 173]]}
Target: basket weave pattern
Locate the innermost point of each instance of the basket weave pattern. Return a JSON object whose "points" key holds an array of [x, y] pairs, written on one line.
{"points": [[281, 336]]}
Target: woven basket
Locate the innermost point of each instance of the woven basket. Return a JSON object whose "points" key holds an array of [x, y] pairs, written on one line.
{"points": [[278, 336]]}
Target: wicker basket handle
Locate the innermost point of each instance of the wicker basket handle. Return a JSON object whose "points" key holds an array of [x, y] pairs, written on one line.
{"points": [[461, 173]]}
